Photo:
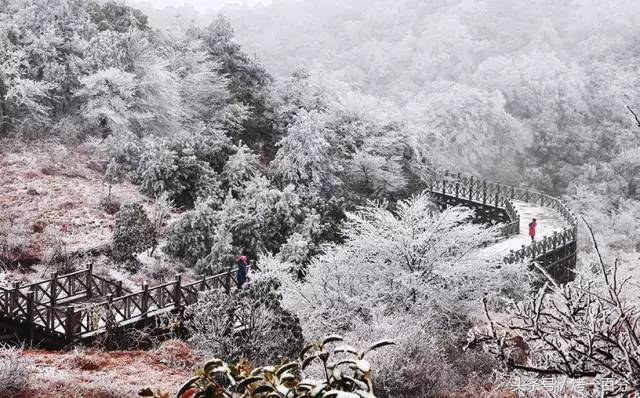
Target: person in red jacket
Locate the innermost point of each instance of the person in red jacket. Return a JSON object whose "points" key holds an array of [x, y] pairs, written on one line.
{"points": [[532, 229]]}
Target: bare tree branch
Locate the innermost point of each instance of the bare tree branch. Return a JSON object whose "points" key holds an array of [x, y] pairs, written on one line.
{"points": [[634, 115], [582, 329]]}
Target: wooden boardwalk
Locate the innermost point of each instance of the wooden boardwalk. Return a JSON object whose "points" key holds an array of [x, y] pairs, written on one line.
{"points": [[555, 252], [70, 308]]}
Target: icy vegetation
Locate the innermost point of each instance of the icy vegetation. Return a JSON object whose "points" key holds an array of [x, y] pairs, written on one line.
{"points": [[305, 140]]}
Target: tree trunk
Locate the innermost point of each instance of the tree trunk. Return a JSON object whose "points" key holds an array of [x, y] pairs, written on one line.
{"points": [[4, 111]]}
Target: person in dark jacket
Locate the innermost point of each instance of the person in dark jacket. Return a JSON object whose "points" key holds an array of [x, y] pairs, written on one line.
{"points": [[532, 229], [241, 275]]}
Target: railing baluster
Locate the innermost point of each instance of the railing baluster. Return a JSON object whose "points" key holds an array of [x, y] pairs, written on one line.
{"points": [[70, 323], [177, 291], [145, 298], [484, 192], [89, 280]]}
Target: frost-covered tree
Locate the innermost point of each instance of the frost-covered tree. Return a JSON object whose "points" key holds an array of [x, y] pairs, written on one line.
{"points": [[469, 128], [270, 332], [304, 155], [409, 269], [109, 97], [43, 43], [241, 167], [186, 166], [190, 237], [133, 233], [249, 83], [113, 175], [203, 88]]}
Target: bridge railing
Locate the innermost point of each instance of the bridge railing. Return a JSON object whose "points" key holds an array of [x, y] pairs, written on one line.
{"points": [[42, 304], [502, 196], [560, 239], [478, 191], [63, 288], [97, 317]]}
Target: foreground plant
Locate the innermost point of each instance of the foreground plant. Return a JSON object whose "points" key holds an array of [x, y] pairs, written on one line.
{"points": [[345, 373], [584, 329]]}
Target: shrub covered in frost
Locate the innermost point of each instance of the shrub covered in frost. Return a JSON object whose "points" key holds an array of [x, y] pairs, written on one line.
{"points": [[191, 236], [15, 372], [134, 232], [249, 324], [186, 167]]}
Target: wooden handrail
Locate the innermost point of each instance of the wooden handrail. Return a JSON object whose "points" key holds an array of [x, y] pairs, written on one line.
{"points": [[48, 304], [471, 189]]}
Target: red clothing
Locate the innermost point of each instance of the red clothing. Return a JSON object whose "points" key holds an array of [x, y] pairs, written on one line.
{"points": [[532, 229]]}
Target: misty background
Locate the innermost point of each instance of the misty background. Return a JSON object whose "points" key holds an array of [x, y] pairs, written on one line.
{"points": [[302, 134]]}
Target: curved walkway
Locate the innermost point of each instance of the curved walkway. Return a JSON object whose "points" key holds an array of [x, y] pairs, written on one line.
{"points": [[548, 220]]}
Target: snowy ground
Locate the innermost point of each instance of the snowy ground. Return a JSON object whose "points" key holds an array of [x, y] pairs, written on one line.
{"points": [[548, 220]]}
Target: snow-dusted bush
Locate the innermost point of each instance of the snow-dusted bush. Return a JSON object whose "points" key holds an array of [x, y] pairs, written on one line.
{"points": [[15, 372], [241, 167], [14, 240], [185, 166], [258, 219], [248, 324], [190, 237], [134, 232], [160, 212], [410, 273], [586, 329]]}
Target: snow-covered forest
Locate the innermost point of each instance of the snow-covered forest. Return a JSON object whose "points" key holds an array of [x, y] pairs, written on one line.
{"points": [[305, 136]]}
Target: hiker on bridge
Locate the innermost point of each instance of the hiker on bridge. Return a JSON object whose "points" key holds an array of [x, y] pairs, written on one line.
{"points": [[241, 275], [532, 229]]}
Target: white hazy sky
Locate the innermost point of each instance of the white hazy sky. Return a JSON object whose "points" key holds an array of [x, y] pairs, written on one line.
{"points": [[200, 5]]}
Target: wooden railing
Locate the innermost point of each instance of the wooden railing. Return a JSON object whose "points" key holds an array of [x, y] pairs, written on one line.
{"points": [[502, 196], [480, 192], [52, 304], [40, 304], [64, 288]]}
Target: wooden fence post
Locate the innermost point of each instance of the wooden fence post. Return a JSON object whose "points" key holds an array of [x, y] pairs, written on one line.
{"points": [[109, 318], [30, 314], [145, 298], [177, 291], [497, 193], [227, 281], [54, 289], [69, 322], [14, 297], [119, 290], [89, 280], [471, 188], [458, 186]]}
